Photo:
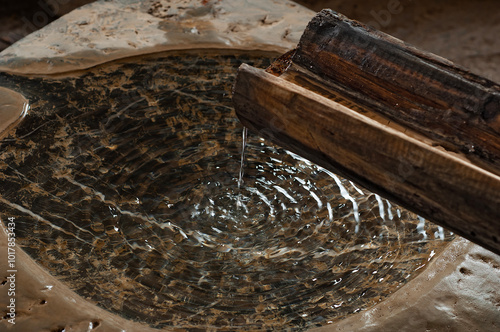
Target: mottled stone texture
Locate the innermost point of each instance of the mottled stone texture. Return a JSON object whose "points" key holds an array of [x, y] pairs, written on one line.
{"points": [[112, 29], [123, 182]]}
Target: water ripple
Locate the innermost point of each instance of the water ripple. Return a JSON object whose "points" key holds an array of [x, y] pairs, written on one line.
{"points": [[134, 196]]}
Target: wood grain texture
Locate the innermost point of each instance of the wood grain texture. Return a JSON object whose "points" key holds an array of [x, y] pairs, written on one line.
{"points": [[419, 90], [433, 182]]}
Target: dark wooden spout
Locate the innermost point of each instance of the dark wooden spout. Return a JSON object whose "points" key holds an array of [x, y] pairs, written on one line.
{"points": [[404, 123]]}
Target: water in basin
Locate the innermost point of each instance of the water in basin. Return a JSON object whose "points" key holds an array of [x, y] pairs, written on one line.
{"points": [[125, 182]]}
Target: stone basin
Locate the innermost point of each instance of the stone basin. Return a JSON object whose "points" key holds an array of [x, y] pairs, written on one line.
{"points": [[122, 184]]}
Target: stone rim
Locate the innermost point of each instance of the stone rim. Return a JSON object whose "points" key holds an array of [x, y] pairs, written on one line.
{"points": [[13, 108]]}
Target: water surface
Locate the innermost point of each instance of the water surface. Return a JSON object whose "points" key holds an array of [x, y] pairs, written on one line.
{"points": [[124, 181]]}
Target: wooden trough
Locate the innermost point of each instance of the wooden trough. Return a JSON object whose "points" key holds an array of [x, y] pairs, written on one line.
{"points": [[404, 123]]}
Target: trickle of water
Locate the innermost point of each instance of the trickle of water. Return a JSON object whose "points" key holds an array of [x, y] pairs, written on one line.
{"points": [[242, 165], [242, 160]]}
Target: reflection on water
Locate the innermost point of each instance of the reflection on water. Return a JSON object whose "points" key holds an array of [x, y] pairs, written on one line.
{"points": [[126, 182]]}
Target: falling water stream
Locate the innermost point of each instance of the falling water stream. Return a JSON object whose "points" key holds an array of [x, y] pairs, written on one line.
{"points": [[242, 164], [242, 161], [135, 184]]}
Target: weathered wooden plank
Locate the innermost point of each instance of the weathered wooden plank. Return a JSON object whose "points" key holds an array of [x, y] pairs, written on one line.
{"points": [[419, 90], [411, 170]]}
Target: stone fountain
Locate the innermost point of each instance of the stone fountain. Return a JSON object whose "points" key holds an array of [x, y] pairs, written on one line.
{"points": [[121, 201]]}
